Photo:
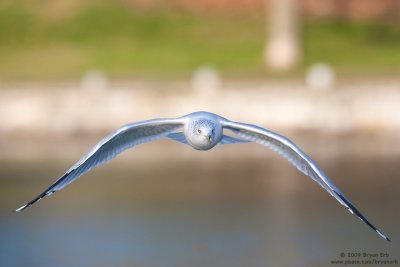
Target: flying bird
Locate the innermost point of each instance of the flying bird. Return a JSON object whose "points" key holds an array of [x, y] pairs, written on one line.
{"points": [[202, 131]]}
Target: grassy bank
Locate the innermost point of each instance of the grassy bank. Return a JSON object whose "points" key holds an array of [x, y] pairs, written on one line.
{"points": [[123, 41]]}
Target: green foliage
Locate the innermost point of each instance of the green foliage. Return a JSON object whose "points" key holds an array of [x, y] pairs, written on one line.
{"points": [[349, 46], [124, 41], [15, 25]]}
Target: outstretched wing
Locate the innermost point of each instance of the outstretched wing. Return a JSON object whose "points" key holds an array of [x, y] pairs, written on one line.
{"points": [[125, 137], [297, 158]]}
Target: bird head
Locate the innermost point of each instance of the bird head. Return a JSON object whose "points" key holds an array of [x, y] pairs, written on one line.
{"points": [[204, 134], [204, 131]]}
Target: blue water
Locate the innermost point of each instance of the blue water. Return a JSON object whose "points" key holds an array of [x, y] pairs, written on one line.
{"points": [[219, 217]]}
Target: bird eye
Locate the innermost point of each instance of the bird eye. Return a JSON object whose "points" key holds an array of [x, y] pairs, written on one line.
{"points": [[199, 131]]}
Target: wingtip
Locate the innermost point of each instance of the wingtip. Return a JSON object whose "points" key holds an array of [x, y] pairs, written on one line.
{"points": [[383, 236], [21, 208], [353, 210], [41, 196]]}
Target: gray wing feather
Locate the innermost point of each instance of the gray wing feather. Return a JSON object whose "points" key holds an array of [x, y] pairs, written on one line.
{"points": [[125, 137], [179, 137], [226, 139], [287, 149]]}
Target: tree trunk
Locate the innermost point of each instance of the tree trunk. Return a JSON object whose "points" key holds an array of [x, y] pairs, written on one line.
{"points": [[282, 50]]}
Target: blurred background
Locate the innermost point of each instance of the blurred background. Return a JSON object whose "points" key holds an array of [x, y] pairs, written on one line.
{"points": [[323, 73]]}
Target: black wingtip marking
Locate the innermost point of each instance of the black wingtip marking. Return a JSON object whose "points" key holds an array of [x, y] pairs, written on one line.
{"points": [[384, 236], [20, 208], [47, 192], [353, 209], [32, 202]]}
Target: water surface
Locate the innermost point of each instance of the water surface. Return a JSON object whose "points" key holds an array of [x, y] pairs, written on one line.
{"points": [[232, 210]]}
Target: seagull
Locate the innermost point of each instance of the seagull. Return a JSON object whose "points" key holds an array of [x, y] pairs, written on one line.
{"points": [[202, 131]]}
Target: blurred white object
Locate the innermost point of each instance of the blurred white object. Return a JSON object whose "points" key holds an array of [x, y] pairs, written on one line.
{"points": [[321, 77], [94, 81], [206, 80], [282, 54]]}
